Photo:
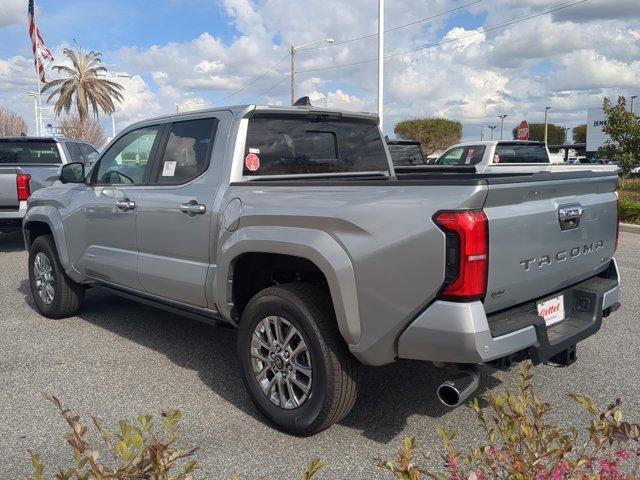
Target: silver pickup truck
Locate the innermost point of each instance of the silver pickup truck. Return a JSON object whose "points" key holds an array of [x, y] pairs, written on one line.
{"points": [[28, 164], [292, 225]]}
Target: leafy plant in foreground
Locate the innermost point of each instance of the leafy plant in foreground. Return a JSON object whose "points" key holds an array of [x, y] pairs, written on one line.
{"points": [[136, 451], [523, 445]]}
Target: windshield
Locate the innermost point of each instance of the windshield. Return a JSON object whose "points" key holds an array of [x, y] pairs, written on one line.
{"points": [[18, 152], [518, 153], [406, 154], [286, 145]]}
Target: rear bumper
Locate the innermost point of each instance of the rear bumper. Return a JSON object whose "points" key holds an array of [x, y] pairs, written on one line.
{"points": [[11, 220], [462, 333]]}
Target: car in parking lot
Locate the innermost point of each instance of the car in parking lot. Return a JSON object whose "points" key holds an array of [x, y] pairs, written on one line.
{"points": [[511, 156], [293, 225], [30, 163], [406, 153]]}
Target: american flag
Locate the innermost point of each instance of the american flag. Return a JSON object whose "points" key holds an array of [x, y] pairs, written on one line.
{"points": [[41, 54]]}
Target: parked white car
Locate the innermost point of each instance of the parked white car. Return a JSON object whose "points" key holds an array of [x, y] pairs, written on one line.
{"points": [[510, 156]]}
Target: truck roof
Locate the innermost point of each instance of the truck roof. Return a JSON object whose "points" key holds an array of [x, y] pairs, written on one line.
{"points": [[493, 143], [244, 110]]}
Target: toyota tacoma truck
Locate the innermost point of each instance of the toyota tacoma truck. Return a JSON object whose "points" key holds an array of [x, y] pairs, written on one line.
{"points": [[293, 226], [30, 163]]}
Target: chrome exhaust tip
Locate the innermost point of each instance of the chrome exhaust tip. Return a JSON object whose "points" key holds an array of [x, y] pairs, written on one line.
{"points": [[453, 392]]}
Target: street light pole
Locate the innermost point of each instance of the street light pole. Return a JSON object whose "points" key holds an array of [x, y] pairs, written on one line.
{"points": [[482, 132], [502, 117], [381, 62], [546, 125], [633, 103], [492, 128], [294, 49]]}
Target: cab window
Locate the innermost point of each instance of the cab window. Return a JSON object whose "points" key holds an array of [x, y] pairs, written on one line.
{"points": [[188, 150], [127, 161]]}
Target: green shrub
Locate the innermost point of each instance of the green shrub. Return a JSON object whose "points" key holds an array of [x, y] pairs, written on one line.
{"points": [[136, 450], [522, 445], [629, 210]]}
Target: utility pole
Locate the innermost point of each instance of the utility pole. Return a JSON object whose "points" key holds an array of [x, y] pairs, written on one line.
{"points": [[502, 117], [381, 62], [546, 125], [293, 74], [294, 49], [633, 103]]}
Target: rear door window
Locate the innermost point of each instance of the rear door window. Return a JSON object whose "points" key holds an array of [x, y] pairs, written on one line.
{"points": [[188, 150], [514, 153], [294, 145], [27, 152]]}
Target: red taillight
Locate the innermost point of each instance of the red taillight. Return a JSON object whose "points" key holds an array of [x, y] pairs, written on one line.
{"points": [[22, 182], [467, 255], [615, 247]]}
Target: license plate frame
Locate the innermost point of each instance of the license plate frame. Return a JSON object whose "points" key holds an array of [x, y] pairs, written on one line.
{"points": [[552, 310]]}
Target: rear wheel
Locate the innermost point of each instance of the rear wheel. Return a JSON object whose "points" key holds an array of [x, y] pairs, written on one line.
{"points": [[294, 363], [54, 293]]}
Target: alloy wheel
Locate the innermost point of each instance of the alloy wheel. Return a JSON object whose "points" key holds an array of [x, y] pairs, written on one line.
{"points": [[281, 362], [43, 275]]}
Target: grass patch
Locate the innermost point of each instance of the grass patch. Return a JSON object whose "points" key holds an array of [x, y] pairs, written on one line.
{"points": [[629, 190]]}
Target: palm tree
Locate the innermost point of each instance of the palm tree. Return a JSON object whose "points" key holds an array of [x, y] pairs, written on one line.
{"points": [[85, 84]]}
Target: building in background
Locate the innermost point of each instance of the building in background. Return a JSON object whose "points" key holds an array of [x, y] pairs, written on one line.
{"points": [[596, 138]]}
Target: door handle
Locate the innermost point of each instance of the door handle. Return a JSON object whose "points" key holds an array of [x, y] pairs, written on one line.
{"points": [[126, 205], [193, 208]]}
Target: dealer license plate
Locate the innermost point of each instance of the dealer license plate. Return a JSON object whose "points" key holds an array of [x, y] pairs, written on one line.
{"points": [[552, 310]]}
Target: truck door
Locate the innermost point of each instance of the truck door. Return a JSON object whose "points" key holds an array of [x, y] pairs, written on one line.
{"points": [[101, 229], [176, 213]]}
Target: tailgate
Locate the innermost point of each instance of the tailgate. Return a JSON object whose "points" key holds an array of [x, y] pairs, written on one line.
{"points": [[8, 188], [547, 232]]}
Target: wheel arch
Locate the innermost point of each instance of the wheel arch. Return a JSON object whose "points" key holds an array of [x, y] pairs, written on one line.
{"points": [[44, 221], [313, 249]]}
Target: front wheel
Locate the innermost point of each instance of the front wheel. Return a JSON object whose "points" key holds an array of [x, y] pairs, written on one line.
{"points": [[294, 363], [54, 293]]}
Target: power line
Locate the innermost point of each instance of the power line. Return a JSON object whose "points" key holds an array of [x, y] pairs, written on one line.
{"points": [[260, 77], [450, 40], [415, 22], [249, 99]]}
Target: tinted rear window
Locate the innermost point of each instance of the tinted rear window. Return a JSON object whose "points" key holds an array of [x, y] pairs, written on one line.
{"points": [[26, 152], [511, 153], [404, 155], [301, 145]]}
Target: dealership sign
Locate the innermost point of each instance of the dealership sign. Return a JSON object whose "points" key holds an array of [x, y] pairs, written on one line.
{"points": [[523, 131], [596, 120]]}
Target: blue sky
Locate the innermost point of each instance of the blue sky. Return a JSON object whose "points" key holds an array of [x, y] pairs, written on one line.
{"points": [[191, 53]]}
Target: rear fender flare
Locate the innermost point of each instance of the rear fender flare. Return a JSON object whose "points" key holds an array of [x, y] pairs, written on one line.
{"points": [[314, 245]]}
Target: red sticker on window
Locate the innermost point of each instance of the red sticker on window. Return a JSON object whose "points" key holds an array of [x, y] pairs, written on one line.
{"points": [[252, 162]]}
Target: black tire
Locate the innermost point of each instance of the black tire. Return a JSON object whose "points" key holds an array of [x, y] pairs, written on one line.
{"points": [[334, 383], [67, 295]]}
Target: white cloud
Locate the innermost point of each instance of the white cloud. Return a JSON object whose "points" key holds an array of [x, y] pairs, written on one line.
{"points": [[13, 12], [568, 60]]}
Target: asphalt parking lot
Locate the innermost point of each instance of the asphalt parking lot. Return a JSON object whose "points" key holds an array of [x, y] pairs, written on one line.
{"points": [[118, 359]]}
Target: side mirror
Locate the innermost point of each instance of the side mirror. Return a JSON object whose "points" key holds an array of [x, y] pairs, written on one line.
{"points": [[72, 173]]}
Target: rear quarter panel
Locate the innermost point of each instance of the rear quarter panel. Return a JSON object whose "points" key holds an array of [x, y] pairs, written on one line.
{"points": [[393, 249]]}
